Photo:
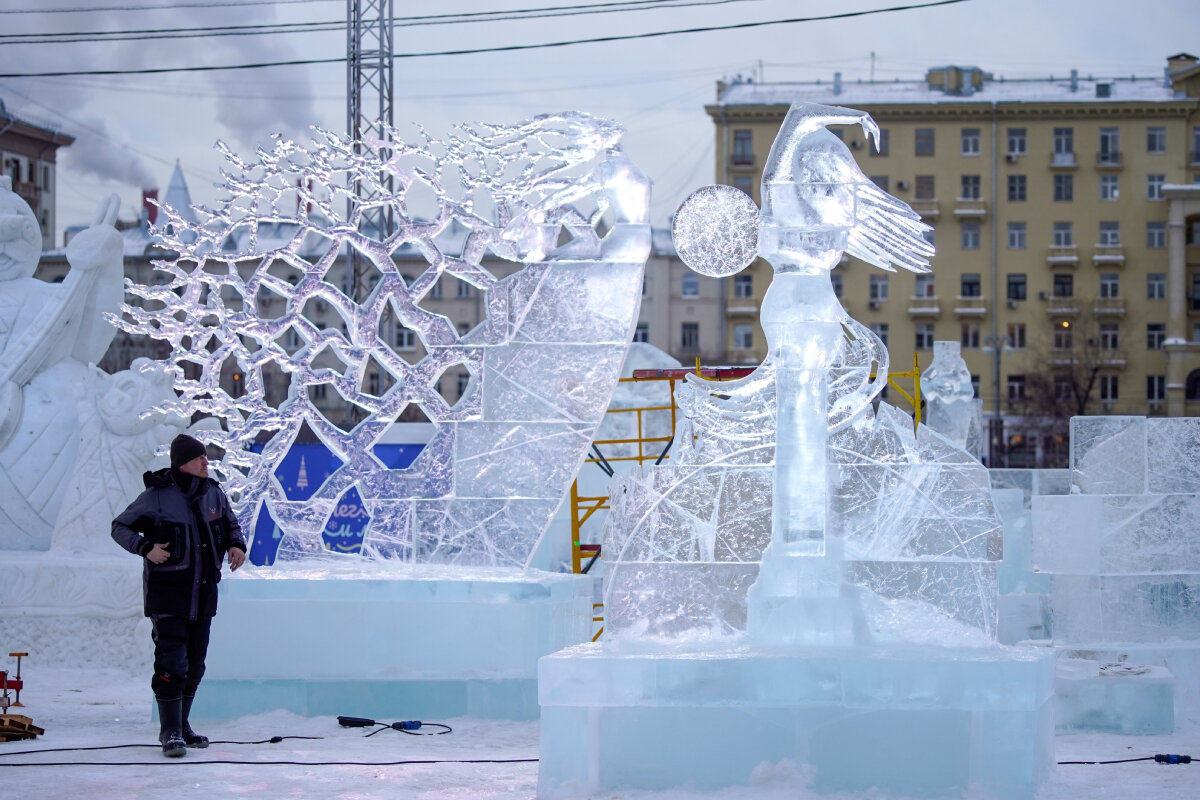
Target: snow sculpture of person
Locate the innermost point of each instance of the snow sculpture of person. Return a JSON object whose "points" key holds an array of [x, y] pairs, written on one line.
{"points": [[49, 333], [949, 395]]}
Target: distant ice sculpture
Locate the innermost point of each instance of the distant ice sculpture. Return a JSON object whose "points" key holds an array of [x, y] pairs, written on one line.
{"points": [[863, 529], [555, 193], [49, 335], [951, 407]]}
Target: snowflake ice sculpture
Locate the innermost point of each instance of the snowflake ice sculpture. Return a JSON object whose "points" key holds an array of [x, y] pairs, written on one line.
{"points": [[555, 193]]}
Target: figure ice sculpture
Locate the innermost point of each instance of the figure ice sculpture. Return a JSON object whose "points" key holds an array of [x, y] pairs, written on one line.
{"points": [[858, 512], [542, 364], [49, 334], [951, 408]]}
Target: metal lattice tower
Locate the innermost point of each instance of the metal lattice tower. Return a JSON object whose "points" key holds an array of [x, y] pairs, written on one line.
{"points": [[369, 26]]}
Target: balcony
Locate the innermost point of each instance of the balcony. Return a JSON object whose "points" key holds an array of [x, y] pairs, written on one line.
{"points": [[1194, 161], [1063, 256], [1108, 255], [970, 307], [927, 208], [1061, 357], [741, 160], [924, 307], [1109, 307], [1060, 305], [970, 208], [1108, 160], [741, 306], [26, 189], [1110, 357], [1063, 161]]}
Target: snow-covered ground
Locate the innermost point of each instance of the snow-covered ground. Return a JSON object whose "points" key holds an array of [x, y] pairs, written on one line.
{"points": [[80, 708]]}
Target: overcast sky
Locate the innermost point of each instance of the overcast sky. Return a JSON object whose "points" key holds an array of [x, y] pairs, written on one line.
{"points": [[131, 129]]}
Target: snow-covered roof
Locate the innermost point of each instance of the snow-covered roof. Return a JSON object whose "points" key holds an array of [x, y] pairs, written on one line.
{"points": [[1049, 90]]}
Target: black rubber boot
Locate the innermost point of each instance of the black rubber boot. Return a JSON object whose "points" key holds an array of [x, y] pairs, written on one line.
{"points": [[190, 737], [170, 735]]}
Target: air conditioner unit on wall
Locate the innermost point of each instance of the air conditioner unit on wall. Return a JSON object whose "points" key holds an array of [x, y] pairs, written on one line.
{"points": [[1011, 158], [857, 144], [873, 305], [1011, 303], [1043, 295], [901, 185]]}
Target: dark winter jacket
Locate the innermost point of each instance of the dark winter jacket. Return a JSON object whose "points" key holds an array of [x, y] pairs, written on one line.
{"points": [[193, 528]]}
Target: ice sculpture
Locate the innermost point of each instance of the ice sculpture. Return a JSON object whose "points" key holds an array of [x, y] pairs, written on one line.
{"points": [[951, 408], [49, 334], [555, 193]]}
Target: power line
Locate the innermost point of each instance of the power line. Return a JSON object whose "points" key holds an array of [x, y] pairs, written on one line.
{"points": [[502, 49], [161, 6], [264, 29]]}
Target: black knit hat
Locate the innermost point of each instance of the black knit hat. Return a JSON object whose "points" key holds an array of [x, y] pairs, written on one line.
{"points": [[184, 448]]}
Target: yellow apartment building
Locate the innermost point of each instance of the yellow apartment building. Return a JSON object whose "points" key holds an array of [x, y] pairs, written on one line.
{"points": [[1066, 217]]}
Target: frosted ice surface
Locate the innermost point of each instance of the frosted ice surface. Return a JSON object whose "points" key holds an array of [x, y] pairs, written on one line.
{"points": [[555, 195], [1174, 466], [949, 395], [1108, 455], [1125, 608], [716, 231], [1066, 533]]}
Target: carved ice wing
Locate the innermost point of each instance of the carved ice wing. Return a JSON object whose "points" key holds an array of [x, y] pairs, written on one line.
{"points": [[887, 231]]}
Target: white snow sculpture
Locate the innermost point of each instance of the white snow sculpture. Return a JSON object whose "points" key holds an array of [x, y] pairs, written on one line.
{"points": [[862, 528], [119, 436], [49, 334], [543, 364], [951, 408]]}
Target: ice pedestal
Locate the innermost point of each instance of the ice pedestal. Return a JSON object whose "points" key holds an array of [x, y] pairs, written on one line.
{"points": [[402, 643], [1113, 698], [911, 721]]}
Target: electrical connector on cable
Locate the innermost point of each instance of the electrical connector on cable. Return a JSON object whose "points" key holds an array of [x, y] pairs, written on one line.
{"points": [[1172, 758], [404, 726]]}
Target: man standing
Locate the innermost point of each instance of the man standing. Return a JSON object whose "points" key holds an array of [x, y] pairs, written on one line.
{"points": [[182, 525]]}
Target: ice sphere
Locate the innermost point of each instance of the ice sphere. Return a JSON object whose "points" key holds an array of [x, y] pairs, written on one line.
{"points": [[555, 197], [1108, 455], [1175, 445]]}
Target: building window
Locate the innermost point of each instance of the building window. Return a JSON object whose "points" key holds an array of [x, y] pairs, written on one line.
{"points": [[971, 285], [689, 336], [1064, 388], [924, 188], [880, 329], [1110, 146], [1156, 389], [970, 187], [1109, 389], [1156, 286], [1154, 186], [743, 285], [882, 149], [1064, 142], [925, 285], [317, 392], [975, 386], [373, 383], [743, 336], [461, 382], [924, 336], [1016, 188], [836, 279], [743, 147], [1064, 188], [1195, 340], [1016, 141], [435, 291], [879, 180], [690, 286], [1016, 236], [406, 338], [970, 141], [462, 290], [970, 236], [1155, 333], [642, 332], [744, 183], [1110, 337], [1064, 235], [924, 143], [1064, 285], [970, 336], [879, 287], [1016, 389], [1156, 139], [1156, 235], [1062, 336], [1016, 335], [1110, 187], [1110, 286], [1016, 286], [1110, 234]]}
